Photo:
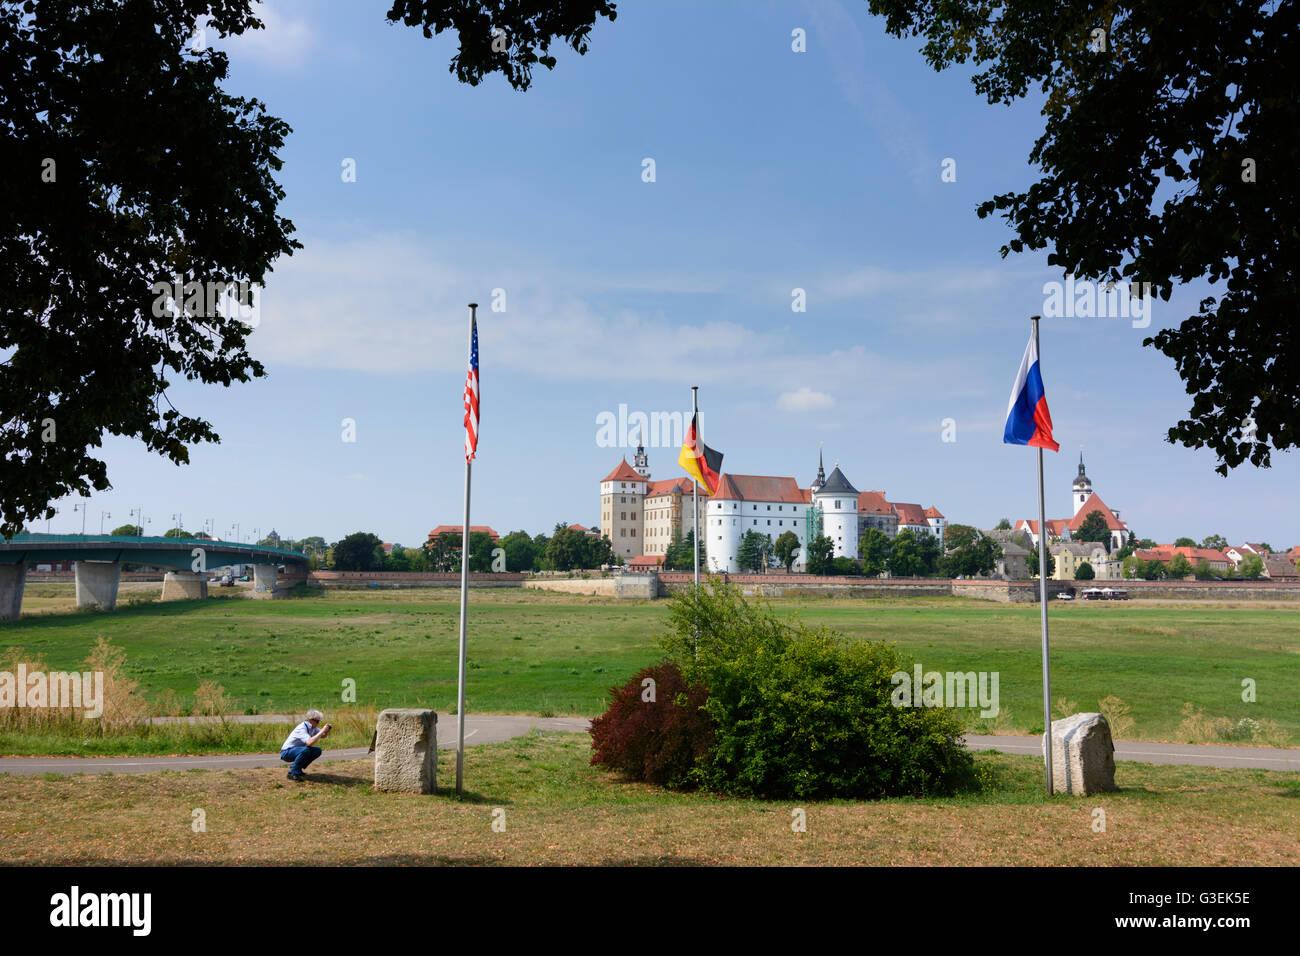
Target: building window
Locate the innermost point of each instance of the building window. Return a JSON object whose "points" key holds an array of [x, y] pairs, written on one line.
{"points": [[633, 533], [769, 507], [837, 506], [622, 532]]}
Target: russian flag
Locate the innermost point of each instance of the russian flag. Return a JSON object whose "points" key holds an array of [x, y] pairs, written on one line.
{"points": [[1028, 420]]}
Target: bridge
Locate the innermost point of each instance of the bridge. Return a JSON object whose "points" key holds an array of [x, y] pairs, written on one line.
{"points": [[98, 563]]}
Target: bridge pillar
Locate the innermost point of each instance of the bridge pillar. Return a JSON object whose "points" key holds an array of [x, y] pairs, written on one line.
{"points": [[97, 583], [184, 586], [13, 577], [263, 580]]}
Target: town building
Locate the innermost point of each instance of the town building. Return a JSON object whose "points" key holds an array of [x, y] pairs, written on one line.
{"points": [[1280, 567], [1068, 555], [1217, 560], [1013, 564], [1083, 502]]}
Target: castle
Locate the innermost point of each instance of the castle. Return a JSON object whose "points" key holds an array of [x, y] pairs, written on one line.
{"points": [[641, 517]]}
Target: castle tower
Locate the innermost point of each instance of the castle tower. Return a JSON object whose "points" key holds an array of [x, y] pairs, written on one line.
{"points": [[1082, 489], [838, 501], [622, 496], [640, 463]]}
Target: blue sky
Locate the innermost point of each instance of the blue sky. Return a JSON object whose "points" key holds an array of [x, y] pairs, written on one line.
{"points": [[775, 170]]}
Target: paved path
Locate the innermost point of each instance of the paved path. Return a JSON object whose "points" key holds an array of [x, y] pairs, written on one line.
{"points": [[486, 729], [1141, 751], [490, 729]]}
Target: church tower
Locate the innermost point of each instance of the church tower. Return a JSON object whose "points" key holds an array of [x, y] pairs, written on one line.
{"points": [[1082, 489], [821, 474], [639, 461]]}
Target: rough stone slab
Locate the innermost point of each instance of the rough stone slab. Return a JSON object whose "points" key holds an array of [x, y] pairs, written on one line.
{"points": [[1083, 755], [406, 751]]}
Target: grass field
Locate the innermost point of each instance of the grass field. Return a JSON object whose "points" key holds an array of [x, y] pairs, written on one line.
{"points": [[559, 810], [550, 654]]}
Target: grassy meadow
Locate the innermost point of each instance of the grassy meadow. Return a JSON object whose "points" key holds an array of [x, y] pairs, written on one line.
{"points": [[549, 654]]}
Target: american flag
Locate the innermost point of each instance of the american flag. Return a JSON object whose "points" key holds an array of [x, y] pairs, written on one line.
{"points": [[471, 395]]}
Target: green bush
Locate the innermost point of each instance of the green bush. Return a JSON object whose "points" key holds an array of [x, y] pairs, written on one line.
{"points": [[800, 713]]}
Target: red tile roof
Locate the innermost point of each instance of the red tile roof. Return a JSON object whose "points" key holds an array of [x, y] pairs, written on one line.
{"points": [[646, 561], [456, 529], [1094, 503], [1165, 552], [668, 486], [909, 513], [1193, 555], [759, 488], [1055, 526], [933, 512], [623, 472], [873, 503]]}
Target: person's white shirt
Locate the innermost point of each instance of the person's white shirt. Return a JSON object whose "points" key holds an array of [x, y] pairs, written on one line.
{"points": [[299, 736]]}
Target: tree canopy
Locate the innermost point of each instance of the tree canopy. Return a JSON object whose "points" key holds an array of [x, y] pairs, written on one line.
{"points": [[1168, 155], [786, 549], [134, 249], [359, 551], [507, 36], [99, 202], [1092, 528]]}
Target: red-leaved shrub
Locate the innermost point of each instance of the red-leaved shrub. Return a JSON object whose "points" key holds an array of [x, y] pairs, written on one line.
{"points": [[659, 741]]}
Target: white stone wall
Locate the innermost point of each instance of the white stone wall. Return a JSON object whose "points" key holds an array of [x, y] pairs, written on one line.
{"points": [[728, 520]]}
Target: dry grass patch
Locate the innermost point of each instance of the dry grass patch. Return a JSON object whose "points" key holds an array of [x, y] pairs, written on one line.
{"points": [[559, 810]]}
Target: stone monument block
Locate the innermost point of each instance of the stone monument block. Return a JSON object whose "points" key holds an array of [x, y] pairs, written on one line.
{"points": [[1083, 755], [406, 751]]}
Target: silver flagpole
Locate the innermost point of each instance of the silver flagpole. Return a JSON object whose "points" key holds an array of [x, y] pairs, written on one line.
{"points": [[464, 601], [695, 508], [1042, 595]]}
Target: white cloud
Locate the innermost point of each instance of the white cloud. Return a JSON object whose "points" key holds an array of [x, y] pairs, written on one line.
{"points": [[284, 41], [392, 303], [804, 400]]}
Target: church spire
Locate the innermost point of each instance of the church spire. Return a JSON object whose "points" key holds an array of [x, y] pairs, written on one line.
{"points": [[639, 461], [821, 469]]}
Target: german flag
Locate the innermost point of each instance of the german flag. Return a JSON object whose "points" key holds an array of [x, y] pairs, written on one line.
{"points": [[700, 461]]}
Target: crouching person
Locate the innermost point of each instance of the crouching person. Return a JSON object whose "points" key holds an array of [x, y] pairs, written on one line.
{"points": [[299, 748]]}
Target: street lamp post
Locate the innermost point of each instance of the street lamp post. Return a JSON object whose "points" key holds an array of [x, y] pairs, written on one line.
{"points": [[180, 521], [102, 516], [82, 508]]}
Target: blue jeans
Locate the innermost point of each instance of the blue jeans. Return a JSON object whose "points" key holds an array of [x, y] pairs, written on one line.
{"points": [[300, 756]]}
